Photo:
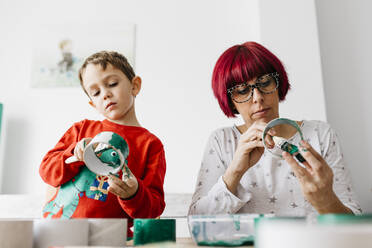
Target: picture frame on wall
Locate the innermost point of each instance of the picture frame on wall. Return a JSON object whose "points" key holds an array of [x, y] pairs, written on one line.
{"points": [[58, 51]]}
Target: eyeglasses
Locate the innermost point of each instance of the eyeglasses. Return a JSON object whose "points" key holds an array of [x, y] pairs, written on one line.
{"points": [[266, 84]]}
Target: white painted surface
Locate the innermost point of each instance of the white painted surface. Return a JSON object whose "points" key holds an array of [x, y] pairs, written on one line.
{"points": [[345, 41]]}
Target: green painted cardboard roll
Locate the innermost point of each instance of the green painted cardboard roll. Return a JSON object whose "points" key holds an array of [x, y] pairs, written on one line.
{"points": [[154, 230], [331, 219]]}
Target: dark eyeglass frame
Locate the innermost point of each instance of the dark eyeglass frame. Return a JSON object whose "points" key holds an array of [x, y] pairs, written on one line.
{"points": [[255, 86]]}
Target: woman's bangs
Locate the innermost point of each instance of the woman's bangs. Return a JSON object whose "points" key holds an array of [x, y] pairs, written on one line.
{"points": [[246, 68]]}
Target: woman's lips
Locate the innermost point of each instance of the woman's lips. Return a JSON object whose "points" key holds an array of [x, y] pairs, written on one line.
{"points": [[261, 113]]}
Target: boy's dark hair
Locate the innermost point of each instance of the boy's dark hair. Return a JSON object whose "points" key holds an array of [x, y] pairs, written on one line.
{"points": [[104, 58]]}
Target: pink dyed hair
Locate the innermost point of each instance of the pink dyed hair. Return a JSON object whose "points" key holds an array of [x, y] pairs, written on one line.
{"points": [[242, 63]]}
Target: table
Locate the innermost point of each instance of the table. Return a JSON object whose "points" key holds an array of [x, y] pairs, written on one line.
{"points": [[180, 243]]}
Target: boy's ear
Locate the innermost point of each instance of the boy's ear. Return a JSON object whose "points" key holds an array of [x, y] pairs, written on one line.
{"points": [[136, 85]]}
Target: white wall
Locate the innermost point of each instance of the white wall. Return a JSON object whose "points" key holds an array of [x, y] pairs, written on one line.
{"points": [[345, 41], [178, 43], [289, 28]]}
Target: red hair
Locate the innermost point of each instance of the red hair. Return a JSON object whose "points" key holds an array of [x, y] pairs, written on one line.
{"points": [[242, 63]]}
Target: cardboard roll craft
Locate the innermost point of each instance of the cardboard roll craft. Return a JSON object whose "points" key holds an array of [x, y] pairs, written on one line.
{"points": [[105, 154], [282, 144]]}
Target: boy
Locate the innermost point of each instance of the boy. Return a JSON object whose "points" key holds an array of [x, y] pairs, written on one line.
{"points": [[111, 85]]}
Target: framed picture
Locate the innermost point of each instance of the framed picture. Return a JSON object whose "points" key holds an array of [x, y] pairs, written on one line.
{"points": [[60, 50]]}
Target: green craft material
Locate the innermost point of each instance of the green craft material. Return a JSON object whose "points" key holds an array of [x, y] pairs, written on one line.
{"points": [[154, 230], [290, 148], [333, 219], [293, 150]]}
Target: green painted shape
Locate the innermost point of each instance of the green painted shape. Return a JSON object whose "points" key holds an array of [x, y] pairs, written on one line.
{"points": [[119, 143], [290, 148], [109, 156], [68, 195], [154, 230], [236, 219]]}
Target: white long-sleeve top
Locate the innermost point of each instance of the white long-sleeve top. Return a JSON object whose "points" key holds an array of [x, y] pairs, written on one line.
{"points": [[269, 186]]}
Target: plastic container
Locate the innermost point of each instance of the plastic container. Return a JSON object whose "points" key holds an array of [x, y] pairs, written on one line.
{"points": [[222, 230]]}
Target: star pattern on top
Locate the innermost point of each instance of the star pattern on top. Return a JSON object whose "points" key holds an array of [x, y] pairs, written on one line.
{"points": [[264, 186], [294, 205], [272, 199]]}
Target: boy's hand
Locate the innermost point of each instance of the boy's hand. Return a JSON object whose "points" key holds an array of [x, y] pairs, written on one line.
{"points": [[125, 188], [79, 148]]}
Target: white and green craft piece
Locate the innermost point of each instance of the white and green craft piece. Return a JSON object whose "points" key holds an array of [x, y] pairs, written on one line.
{"points": [[282, 144], [105, 154]]}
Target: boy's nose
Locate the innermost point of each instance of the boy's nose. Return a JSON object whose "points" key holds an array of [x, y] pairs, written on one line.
{"points": [[107, 94]]}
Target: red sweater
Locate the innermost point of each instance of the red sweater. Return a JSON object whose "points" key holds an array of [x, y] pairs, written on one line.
{"points": [[146, 160]]}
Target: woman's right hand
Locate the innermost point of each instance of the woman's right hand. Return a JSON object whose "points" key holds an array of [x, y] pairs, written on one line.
{"points": [[248, 152], [79, 148]]}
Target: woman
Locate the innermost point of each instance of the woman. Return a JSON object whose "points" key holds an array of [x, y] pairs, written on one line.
{"points": [[238, 175]]}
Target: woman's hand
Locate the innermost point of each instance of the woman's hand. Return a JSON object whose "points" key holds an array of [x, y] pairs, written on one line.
{"points": [[248, 152], [125, 187], [316, 180], [79, 148]]}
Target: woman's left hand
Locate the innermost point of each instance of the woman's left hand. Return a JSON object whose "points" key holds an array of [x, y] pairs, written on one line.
{"points": [[316, 180]]}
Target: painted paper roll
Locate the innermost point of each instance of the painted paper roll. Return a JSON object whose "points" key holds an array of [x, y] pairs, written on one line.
{"points": [[60, 232], [79, 232], [275, 123], [16, 233], [105, 154], [107, 232], [154, 230]]}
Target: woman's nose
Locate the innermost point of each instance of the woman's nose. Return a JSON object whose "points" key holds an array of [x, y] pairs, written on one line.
{"points": [[257, 95]]}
